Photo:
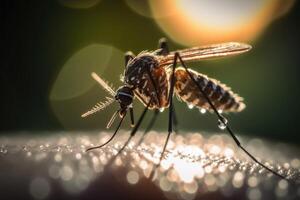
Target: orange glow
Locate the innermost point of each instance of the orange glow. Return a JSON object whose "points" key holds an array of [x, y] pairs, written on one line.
{"points": [[195, 22]]}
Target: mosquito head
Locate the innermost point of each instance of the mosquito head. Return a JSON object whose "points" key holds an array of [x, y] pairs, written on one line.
{"points": [[124, 96]]}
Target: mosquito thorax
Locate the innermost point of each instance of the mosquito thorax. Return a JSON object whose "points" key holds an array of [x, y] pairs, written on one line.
{"points": [[138, 66], [124, 96]]}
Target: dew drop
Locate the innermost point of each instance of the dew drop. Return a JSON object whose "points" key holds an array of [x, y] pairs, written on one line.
{"points": [[190, 106], [39, 188], [222, 125], [78, 156], [3, 150], [202, 111], [161, 109], [132, 177]]}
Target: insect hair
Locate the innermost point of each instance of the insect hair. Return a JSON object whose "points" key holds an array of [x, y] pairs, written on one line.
{"points": [[109, 88], [99, 106]]}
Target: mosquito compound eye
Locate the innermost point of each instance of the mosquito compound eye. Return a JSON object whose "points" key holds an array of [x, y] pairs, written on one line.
{"points": [[125, 98]]}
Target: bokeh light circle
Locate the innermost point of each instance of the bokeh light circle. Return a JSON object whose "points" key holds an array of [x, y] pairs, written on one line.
{"points": [[74, 91], [72, 79]]}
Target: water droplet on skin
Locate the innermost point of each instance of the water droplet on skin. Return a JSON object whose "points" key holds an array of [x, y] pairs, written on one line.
{"points": [[202, 111], [191, 106], [3, 150], [161, 109], [222, 125]]}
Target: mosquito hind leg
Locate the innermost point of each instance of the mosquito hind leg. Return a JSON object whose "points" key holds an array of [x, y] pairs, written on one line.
{"points": [[223, 120]]}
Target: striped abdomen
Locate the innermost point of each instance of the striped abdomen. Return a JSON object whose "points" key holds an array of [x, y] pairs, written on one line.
{"points": [[221, 96]]}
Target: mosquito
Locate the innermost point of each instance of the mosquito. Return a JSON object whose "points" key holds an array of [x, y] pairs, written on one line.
{"points": [[153, 77]]}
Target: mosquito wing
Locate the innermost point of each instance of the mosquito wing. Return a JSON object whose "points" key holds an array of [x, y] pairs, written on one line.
{"points": [[207, 52]]}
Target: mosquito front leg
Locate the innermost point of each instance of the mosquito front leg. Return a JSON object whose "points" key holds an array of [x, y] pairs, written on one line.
{"points": [[108, 141], [127, 57], [132, 134]]}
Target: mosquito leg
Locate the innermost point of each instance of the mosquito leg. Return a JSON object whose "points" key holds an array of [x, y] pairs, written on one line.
{"points": [[100, 146], [170, 125], [133, 132], [175, 121], [163, 45], [223, 120], [152, 122], [149, 127], [131, 115]]}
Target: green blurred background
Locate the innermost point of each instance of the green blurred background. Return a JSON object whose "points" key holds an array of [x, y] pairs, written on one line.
{"points": [[49, 49]]}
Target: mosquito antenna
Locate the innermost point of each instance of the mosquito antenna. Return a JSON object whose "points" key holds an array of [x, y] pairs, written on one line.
{"points": [[223, 120], [102, 104], [110, 139], [131, 115], [99, 106], [112, 119], [104, 84]]}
